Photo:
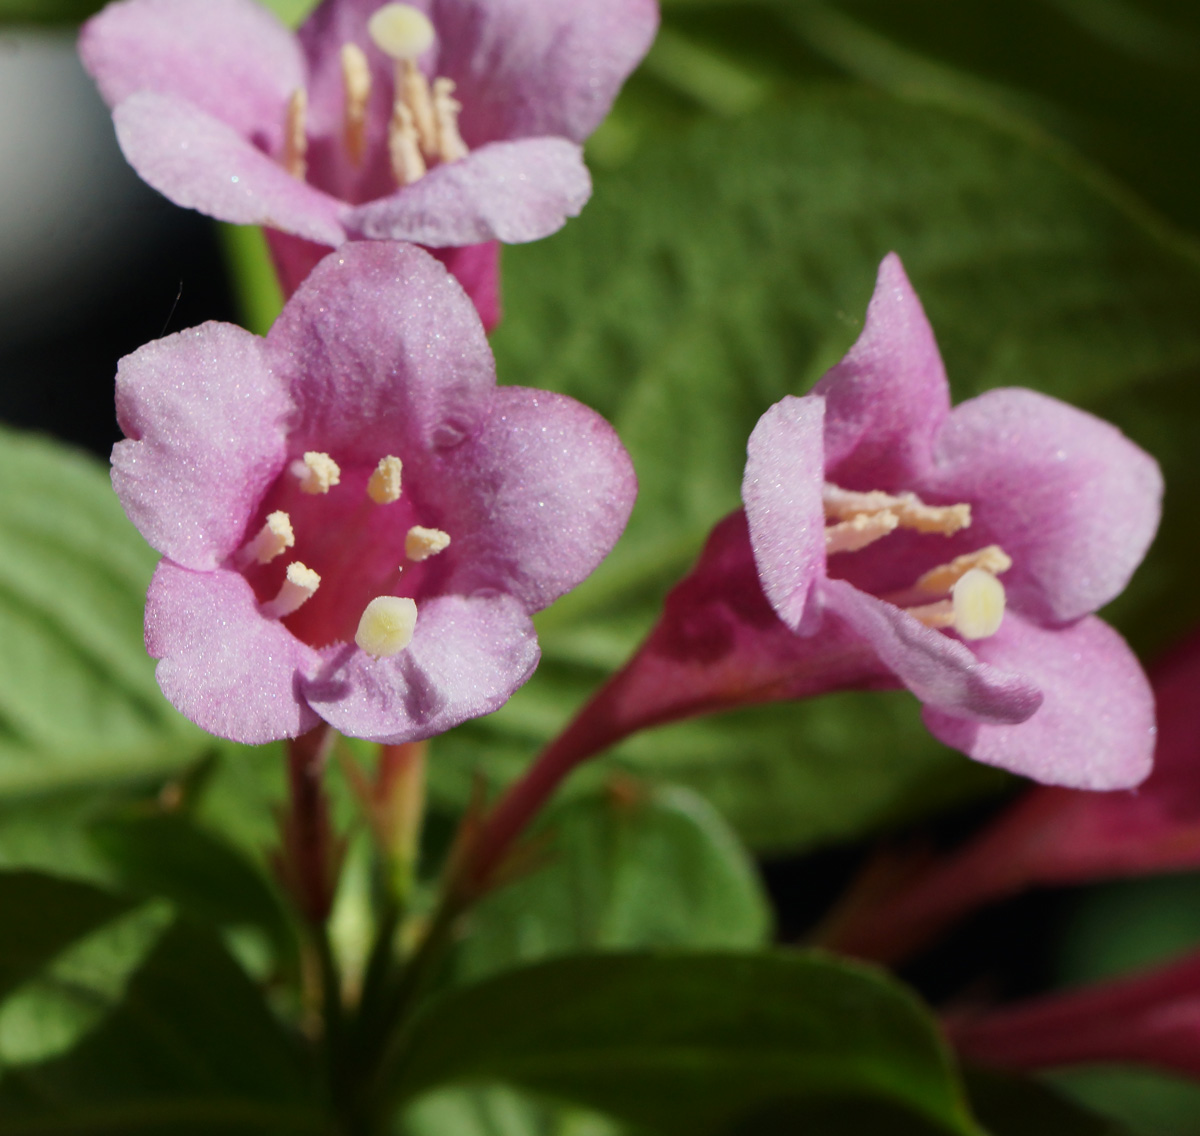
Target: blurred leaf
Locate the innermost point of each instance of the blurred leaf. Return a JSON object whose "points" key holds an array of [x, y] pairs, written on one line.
{"points": [[1146, 1102], [692, 1043], [1018, 1106], [191, 1048], [748, 250], [42, 917], [630, 867], [76, 11], [78, 700], [496, 1110]]}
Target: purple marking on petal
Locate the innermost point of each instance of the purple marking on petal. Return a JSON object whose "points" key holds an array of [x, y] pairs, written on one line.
{"points": [[204, 419], [467, 656], [541, 496], [1095, 729], [232, 59], [507, 191], [201, 163], [223, 665], [887, 399], [1072, 500], [940, 671], [382, 350], [782, 493]]}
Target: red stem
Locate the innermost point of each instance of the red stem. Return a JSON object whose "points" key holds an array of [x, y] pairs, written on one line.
{"points": [[309, 857]]}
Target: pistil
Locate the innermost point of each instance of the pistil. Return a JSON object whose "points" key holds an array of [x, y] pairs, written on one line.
{"points": [[295, 136], [386, 626], [299, 586]]}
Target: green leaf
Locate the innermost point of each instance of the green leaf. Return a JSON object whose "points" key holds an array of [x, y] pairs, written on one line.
{"points": [[1147, 1102], [75, 11], [692, 1043], [192, 1048], [78, 700], [1008, 1105], [496, 1110], [42, 917], [748, 250], [631, 867]]}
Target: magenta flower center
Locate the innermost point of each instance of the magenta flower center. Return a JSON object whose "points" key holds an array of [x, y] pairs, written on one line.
{"points": [[341, 554], [423, 127], [962, 594]]}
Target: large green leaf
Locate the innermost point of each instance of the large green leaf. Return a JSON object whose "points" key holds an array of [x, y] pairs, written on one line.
{"points": [[695, 1043], [191, 1048], [747, 253], [1008, 1105], [630, 867], [78, 700]]}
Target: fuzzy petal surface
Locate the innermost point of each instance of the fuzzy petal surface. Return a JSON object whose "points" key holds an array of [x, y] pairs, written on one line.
{"points": [[232, 59], [1072, 500], [1095, 729], [380, 347], [782, 493], [887, 399], [539, 67], [202, 163], [940, 671], [232, 672], [543, 494], [467, 656], [507, 191], [204, 421]]}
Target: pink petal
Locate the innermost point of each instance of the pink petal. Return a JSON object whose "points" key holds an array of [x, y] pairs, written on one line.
{"points": [[506, 191], [542, 495], [384, 354], [940, 671], [477, 269], [204, 419], [1095, 729], [887, 399], [231, 59], [467, 656], [782, 494], [526, 68], [201, 163], [232, 672], [1068, 497]]}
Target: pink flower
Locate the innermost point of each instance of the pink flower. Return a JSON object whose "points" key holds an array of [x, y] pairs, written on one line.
{"points": [[222, 109], [355, 521], [888, 540]]}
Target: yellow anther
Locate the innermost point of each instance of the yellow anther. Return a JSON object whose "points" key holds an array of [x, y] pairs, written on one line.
{"points": [[978, 599], [446, 107], [295, 136], [384, 486], [404, 148], [400, 31], [272, 540], [356, 87], [938, 581], [422, 543], [859, 531], [913, 513], [386, 626], [317, 472], [299, 586]]}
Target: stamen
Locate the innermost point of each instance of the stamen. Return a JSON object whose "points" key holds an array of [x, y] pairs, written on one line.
{"points": [[938, 581], [936, 615], [386, 626], [859, 531], [446, 107], [404, 147], [400, 31], [412, 90], [317, 472], [913, 513], [295, 137], [274, 537], [298, 587], [384, 486], [356, 84], [978, 600], [422, 543]]}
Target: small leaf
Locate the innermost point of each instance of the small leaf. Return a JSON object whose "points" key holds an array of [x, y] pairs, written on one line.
{"points": [[630, 867], [692, 1044]]}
